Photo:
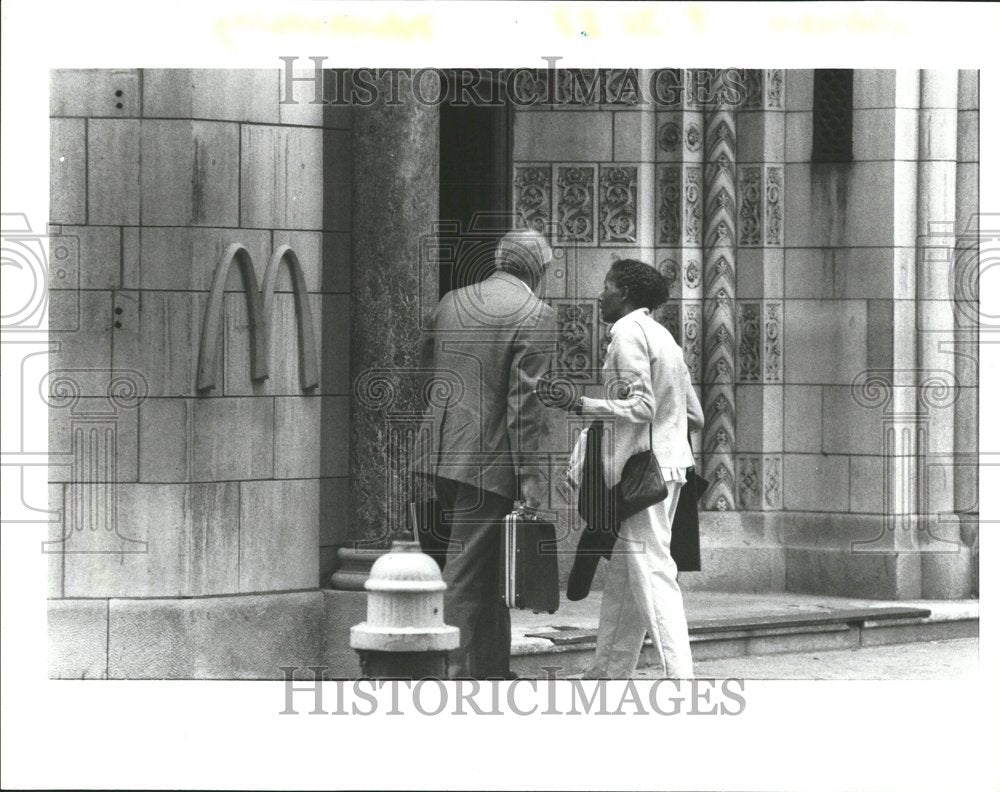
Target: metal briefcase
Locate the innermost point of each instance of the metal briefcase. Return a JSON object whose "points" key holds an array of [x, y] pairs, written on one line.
{"points": [[531, 569]]}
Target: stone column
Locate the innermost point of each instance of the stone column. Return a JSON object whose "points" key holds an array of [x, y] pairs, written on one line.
{"points": [[945, 563], [966, 296], [901, 424], [394, 285], [719, 292]]}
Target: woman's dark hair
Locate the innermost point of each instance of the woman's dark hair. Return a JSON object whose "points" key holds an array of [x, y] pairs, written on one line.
{"points": [[647, 288]]}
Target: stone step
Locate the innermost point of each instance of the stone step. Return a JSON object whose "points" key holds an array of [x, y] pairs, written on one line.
{"points": [[567, 650]]}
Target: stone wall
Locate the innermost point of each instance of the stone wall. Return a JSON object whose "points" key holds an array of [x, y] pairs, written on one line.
{"points": [[840, 264], [167, 491], [628, 173], [827, 304], [869, 323]]}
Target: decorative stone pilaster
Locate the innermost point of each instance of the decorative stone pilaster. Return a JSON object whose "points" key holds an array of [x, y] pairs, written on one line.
{"points": [[679, 221], [719, 308], [393, 287]]}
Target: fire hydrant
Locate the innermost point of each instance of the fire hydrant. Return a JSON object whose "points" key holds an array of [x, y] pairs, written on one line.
{"points": [[404, 636]]}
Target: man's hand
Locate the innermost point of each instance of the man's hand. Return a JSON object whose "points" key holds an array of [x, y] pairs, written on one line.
{"points": [[532, 491]]}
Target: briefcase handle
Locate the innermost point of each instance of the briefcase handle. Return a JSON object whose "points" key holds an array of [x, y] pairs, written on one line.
{"points": [[524, 511]]}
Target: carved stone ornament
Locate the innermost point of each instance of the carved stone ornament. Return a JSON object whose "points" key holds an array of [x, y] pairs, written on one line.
{"points": [[619, 185], [575, 204], [533, 197], [669, 137]]}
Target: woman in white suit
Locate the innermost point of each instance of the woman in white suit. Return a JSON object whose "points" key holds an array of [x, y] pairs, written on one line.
{"points": [[649, 383]]}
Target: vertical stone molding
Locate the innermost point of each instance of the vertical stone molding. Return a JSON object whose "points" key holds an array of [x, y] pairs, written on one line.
{"points": [[760, 151], [967, 315], [690, 255], [393, 288], [945, 562], [645, 120], [902, 426], [679, 220], [719, 307]]}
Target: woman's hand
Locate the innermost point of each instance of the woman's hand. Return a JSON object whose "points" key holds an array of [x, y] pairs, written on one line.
{"points": [[558, 391]]}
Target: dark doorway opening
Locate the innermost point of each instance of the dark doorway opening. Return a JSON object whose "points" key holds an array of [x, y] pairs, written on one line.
{"points": [[476, 182]]}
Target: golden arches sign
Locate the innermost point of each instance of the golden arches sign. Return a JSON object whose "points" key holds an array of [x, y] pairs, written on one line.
{"points": [[260, 304]]}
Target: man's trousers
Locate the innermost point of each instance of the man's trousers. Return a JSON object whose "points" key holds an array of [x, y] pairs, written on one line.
{"points": [[641, 594], [473, 572]]}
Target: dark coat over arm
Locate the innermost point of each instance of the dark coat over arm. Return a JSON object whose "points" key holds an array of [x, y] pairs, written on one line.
{"points": [[596, 507]]}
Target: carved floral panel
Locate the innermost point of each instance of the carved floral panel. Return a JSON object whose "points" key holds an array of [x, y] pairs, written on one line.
{"points": [[749, 341], [749, 205], [772, 482], [669, 315], [668, 137], [775, 194], [617, 208], [622, 87], [576, 204], [773, 367], [530, 88], [577, 343], [692, 340], [692, 274], [692, 206], [775, 81], [670, 271], [533, 197], [749, 481], [580, 87], [668, 205]]}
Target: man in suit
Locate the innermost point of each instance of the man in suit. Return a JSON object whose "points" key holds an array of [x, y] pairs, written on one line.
{"points": [[491, 341]]}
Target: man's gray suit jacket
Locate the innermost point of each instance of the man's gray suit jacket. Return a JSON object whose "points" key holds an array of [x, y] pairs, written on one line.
{"points": [[483, 351]]}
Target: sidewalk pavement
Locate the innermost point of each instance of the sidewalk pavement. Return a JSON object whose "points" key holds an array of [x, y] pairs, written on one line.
{"points": [[709, 606], [956, 659], [733, 636]]}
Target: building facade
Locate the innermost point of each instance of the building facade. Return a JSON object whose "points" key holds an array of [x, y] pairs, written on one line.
{"points": [[239, 276]]}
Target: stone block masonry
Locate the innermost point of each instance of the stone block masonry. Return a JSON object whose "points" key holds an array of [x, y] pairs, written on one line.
{"points": [[154, 174], [824, 277]]}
